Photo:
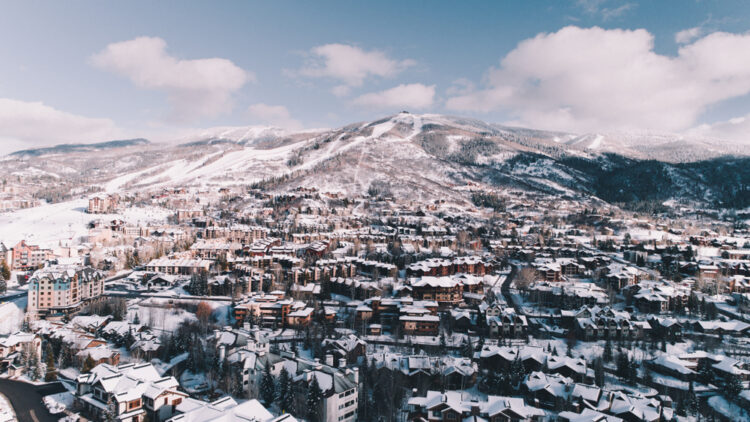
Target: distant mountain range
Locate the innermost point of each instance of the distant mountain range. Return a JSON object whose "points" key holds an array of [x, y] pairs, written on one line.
{"points": [[68, 148], [416, 156]]}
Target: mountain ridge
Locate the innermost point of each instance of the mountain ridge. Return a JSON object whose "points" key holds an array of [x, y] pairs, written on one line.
{"points": [[420, 156]]}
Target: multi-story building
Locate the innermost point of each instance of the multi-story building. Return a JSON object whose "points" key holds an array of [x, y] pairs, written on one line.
{"points": [[339, 385], [178, 266], [446, 291], [457, 406], [102, 204], [27, 257], [63, 289]]}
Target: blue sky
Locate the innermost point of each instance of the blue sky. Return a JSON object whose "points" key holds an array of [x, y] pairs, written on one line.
{"points": [[91, 70]]}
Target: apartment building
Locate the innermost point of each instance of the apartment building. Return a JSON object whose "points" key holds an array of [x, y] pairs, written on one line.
{"points": [[63, 289]]}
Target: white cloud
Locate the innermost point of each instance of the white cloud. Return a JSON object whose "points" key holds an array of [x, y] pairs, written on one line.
{"points": [[415, 96], [687, 35], [595, 79], [598, 8], [195, 88], [274, 115], [736, 129], [350, 65], [31, 124]]}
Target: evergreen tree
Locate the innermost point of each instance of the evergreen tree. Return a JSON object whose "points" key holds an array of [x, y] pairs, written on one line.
{"points": [[51, 374], [517, 372], [732, 387], [66, 356], [466, 350], [31, 363], [599, 372], [4, 270], [88, 365], [284, 393], [110, 415], [623, 365], [314, 400], [607, 355], [692, 401], [267, 387]]}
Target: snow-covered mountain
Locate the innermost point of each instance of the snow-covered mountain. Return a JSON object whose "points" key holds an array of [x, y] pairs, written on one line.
{"points": [[658, 146], [418, 156]]}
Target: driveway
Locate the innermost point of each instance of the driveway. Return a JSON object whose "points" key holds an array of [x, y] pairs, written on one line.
{"points": [[26, 400]]}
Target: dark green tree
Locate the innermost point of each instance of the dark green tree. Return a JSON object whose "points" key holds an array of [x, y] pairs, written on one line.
{"points": [[51, 373], [314, 400], [267, 386]]}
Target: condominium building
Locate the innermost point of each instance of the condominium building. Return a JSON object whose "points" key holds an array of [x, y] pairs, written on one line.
{"points": [[62, 289]]}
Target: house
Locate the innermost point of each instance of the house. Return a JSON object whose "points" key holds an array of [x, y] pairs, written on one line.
{"points": [[225, 409], [349, 347], [130, 391], [506, 323], [461, 406], [99, 354], [12, 345]]}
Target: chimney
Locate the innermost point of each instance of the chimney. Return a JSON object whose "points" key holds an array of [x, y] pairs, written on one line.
{"points": [[217, 334], [222, 353], [342, 363], [246, 326], [329, 359], [356, 375]]}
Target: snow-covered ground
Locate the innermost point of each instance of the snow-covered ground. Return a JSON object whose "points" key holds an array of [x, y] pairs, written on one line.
{"points": [[11, 315], [57, 403], [162, 319], [6, 411], [49, 224]]}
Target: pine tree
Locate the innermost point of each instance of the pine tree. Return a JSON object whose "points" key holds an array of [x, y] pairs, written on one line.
{"points": [[732, 387], [314, 400], [692, 401], [110, 415], [4, 270], [466, 350], [88, 365], [39, 369], [599, 372], [31, 364], [516, 372], [607, 355], [51, 374], [267, 387], [623, 365], [284, 394]]}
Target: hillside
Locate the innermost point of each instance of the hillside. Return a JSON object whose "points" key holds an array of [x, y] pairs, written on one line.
{"points": [[406, 155]]}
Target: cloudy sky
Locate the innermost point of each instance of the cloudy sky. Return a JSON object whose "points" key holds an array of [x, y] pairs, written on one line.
{"points": [[90, 71]]}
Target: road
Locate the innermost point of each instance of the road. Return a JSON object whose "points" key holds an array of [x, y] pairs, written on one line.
{"points": [[26, 400]]}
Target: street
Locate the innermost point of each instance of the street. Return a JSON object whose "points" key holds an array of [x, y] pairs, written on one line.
{"points": [[26, 400]]}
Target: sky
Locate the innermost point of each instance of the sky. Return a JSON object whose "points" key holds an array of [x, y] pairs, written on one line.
{"points": [[90, 71]]}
